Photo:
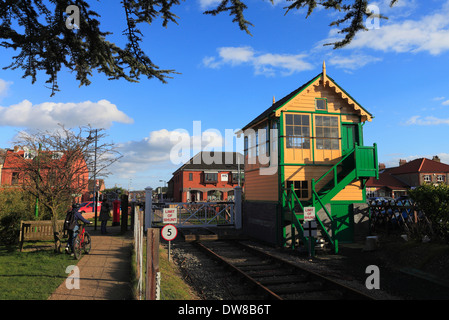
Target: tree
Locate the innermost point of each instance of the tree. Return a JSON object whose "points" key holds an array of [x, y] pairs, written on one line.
{"points": [[39, 31], [56, 166], [433, 200]]}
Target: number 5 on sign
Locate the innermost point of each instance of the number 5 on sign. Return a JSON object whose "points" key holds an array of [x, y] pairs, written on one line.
{"points": [[169, 232]]}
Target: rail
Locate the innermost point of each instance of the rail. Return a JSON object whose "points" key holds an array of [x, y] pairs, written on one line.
{"points": [[275, 277]]}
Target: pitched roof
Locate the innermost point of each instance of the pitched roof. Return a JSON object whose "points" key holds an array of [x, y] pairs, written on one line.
{"points": [[292, 94], [213, 160], [387, 180], [420, 165]]}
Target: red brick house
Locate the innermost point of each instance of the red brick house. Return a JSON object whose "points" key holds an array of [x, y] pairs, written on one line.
{"points": [[10, 166], [394, 182], [208, 176]]}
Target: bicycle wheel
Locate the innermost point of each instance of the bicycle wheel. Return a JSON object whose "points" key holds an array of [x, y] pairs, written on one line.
{"points": [[77, 248], [87, 243]]}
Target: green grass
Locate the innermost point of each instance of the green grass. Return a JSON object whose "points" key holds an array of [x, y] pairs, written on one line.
{"points": [[31, 275], [173, 287]]}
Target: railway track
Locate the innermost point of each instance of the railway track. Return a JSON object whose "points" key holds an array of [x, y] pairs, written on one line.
{"points": [[275, 278]]}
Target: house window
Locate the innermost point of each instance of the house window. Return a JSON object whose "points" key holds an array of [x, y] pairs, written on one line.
{"points": [[211, 177], [297, 131], [274, 138], [441, 178], [327, 133], [15, 178], [190, 176], [301, 188], [263, 140], [214, 195], [321, 104], [427, 178], [235, 177]]}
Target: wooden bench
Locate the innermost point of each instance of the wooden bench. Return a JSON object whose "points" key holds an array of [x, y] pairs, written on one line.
{"points": [[38, 230]]}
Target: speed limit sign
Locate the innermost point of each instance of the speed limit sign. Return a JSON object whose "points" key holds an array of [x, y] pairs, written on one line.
{"points": [[169, 232]]}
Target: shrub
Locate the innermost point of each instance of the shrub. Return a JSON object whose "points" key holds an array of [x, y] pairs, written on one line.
{"points": [[15, 205], [433, 200]]}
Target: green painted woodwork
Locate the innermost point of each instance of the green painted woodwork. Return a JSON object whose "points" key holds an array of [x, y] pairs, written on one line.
{"points": [[359, 163]]}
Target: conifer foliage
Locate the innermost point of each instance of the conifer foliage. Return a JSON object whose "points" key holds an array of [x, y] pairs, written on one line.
{"points": [[37, 31]]}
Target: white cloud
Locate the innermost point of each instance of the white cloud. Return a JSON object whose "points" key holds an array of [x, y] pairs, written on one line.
{"points": [[208, 4], [268, 64], [445, 103], [430, 34], [355, 61], [4, 87], [163, 146], [46, 115], [426, 121]]}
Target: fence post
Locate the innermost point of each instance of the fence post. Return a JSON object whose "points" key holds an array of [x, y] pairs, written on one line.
{"points": [[238, 207], [152, 264], [148, 207]]}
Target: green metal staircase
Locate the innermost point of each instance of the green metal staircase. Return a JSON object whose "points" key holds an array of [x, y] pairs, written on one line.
{"points": [[360, 163]]}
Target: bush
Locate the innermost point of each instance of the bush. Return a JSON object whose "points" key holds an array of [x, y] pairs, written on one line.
{"points": [[433, 200], [15, 205]]}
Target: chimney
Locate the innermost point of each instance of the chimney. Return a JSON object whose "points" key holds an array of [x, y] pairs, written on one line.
{"points": [[381, 166], [436, 158], [402, 162], [16, 148]]}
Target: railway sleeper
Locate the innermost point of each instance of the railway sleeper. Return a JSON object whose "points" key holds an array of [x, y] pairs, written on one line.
{"points": [[297, 287], [282, 279], [259, 267], [270, 273], [251, 263], [316, 295]]}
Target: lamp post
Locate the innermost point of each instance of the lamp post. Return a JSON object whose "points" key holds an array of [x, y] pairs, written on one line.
{"points": [[95, 175], [162, 189]]}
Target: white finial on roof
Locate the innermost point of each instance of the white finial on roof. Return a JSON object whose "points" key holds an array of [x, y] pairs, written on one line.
{"points": [[324, 73]]}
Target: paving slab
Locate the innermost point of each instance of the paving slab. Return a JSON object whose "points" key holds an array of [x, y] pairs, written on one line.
{"points": [[104, 273]]}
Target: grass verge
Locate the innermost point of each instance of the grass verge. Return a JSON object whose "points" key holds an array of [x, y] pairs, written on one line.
{"points": [[173, 287], [31, 275]]}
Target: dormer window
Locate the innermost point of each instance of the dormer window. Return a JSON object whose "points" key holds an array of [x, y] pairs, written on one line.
{"points": [[321, 104]]}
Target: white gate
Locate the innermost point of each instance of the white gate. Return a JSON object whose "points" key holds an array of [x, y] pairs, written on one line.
{"points": [[197, 214]]}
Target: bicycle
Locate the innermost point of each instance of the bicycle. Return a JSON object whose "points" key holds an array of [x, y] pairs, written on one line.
{"points": [[82, 243]]}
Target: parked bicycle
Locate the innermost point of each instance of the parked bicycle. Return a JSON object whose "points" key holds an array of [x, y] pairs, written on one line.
{"points": [[82, 243]]}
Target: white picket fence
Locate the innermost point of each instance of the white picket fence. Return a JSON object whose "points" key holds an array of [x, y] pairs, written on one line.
{"points": [[139, 246]]}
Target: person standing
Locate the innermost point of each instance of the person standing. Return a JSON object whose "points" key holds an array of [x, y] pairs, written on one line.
{"points": [[105, 215]]}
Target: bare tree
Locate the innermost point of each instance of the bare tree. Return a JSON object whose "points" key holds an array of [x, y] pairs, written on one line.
{"points": [[56, 166]]}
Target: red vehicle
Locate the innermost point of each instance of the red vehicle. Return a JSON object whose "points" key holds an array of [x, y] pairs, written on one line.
{"points": [[87, 209]]}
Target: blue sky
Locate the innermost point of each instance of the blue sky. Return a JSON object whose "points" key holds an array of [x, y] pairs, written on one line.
{"points": [[398, 72]]}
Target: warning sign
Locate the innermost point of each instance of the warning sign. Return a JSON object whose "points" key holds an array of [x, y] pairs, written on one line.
{"points": [[170, 215], [309, 213]]}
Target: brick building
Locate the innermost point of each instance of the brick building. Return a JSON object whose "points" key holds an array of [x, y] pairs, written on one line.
{"points": [[394, 182], [208, 176], [11, 171]]}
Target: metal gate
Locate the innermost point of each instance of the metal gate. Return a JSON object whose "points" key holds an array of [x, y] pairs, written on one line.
{"points": [[197, 214]]}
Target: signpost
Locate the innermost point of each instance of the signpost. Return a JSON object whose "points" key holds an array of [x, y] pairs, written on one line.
{"points": [[309, 226], [170, 215], [169, 232]]}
